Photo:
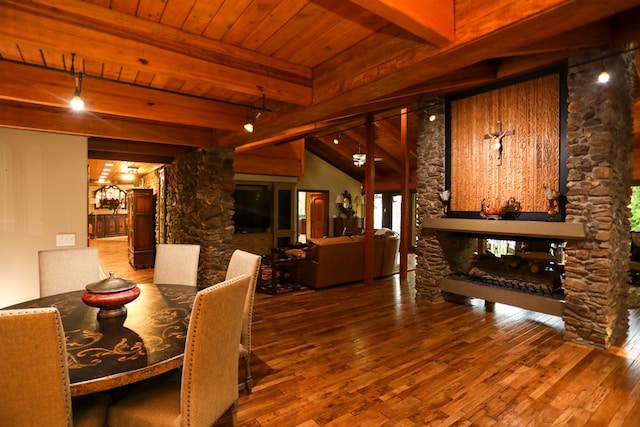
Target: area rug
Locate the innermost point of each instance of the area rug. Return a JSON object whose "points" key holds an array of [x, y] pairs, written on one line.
{"points": [[285, 283]]}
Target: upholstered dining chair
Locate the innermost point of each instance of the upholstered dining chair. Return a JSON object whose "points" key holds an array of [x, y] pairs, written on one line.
{"points": [[176, 264], [66, 270], [34, 375], [242, 262], [209, 384]]}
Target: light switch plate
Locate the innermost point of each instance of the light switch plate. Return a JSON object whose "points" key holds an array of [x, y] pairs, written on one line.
{"points": [[68, 239]]}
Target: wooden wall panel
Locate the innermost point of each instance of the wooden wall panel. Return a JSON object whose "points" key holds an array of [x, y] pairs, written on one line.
{"points": [[530, 157]]}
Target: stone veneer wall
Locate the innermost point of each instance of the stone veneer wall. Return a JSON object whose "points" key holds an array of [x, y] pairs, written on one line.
{"points": [[199, 208], [431, 265], [599, 135]]}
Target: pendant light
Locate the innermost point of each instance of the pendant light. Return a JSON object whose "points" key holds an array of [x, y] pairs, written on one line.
{"points": [[76, 102]]}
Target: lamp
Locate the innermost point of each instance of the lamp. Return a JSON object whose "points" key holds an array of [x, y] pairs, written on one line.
{"points": [[253, 116], [603, 77], [336, 140], [76, 102], [251, 121], [131, 173], [359, 158]]}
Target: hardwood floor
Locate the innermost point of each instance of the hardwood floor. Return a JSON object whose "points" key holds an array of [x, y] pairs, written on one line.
{"points": [[372, 355], [112, 252], [359, 355]]}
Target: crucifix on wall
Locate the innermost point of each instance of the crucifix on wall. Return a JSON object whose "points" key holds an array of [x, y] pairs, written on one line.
{"points": [[497, 137]]}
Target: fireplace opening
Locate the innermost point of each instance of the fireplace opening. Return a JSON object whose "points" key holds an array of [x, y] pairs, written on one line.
{"points": [[531, 266], [519, 263]]}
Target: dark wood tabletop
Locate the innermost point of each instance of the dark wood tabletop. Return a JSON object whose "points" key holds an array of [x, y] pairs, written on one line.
{"points": [[109, 353]]}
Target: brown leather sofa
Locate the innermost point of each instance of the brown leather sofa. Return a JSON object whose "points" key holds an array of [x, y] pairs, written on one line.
{"points": [[336, 260]]}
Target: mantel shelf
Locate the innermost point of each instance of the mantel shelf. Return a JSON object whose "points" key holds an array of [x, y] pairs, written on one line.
{"points": [[539, 229]]}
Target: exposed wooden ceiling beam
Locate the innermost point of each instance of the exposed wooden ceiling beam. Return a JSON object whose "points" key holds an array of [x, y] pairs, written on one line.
{"points": [[135, 151], [47, 119], [432, 21], [511, 67], [586, 37], [45, 87], [146, 158], [137, 147], [48, 27], [353, 78], [394, 132], [297, 132]]}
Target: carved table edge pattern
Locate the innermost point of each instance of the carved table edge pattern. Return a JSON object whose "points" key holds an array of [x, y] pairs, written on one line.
{"points": [[125, 378]]}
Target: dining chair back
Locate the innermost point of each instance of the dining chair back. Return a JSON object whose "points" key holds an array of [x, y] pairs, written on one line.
{"points": [[176, 264], [34, 376], [242, 262], [209, 381], [66, 270]]}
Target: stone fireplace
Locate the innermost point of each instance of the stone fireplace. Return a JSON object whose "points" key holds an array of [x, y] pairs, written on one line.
{"points": [[529, 276], [596, 227]]}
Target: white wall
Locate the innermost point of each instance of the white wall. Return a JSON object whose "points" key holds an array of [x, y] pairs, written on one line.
{"points": [[320, 175], [43, 192]]}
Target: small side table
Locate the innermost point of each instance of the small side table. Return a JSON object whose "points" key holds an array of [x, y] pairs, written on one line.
{"points": [[281, 264]]}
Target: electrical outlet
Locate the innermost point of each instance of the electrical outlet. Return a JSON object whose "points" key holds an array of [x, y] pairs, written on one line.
{"points": [[67, 239]]}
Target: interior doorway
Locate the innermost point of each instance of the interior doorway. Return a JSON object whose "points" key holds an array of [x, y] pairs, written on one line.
{"points": [[313, 214]]}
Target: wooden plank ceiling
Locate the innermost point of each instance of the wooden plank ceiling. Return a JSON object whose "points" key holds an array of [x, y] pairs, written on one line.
{"points": [[164, 76]]}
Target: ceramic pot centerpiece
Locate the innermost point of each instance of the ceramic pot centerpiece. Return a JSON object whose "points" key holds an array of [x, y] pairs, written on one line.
{"points": [[110, 295]]}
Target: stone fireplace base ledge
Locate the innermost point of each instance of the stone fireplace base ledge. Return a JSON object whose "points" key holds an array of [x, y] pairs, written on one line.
{"points": [[532, 302]]}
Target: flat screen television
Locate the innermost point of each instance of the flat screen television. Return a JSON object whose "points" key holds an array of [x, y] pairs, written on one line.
{"points": [[253, 208]]}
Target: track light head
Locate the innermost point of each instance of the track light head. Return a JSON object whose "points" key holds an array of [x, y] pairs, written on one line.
{"points": [[76, 102], [603, 77]]}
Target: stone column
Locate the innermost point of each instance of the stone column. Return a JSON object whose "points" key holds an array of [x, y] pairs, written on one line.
{"points": [[199, 208], [599, 135], [431, 265]]}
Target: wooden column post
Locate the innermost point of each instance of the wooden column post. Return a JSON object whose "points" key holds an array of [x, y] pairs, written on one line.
{"points": [[405, 230], [369, 188]]}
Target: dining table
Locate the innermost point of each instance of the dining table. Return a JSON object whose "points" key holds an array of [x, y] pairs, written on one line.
{"points": [[107, 353]]}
